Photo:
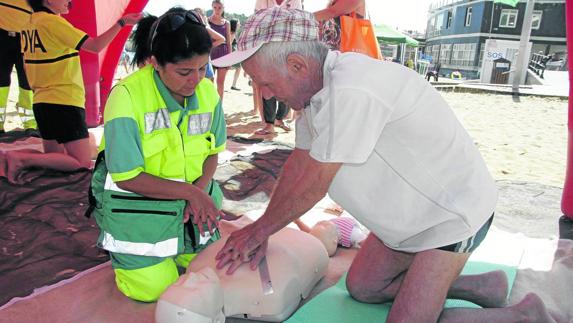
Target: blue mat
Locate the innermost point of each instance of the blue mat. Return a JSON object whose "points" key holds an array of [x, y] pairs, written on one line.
{"points": [[335, 304]]}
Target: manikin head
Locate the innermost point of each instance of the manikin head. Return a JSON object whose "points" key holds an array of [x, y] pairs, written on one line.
{"points": [[194, 297], [326, 232]]}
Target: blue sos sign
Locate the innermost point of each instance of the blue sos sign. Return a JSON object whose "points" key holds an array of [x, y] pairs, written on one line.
{"points": [[494, 55]]}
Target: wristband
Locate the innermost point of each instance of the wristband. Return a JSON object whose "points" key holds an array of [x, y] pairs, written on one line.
{"points": [[121, 23]]}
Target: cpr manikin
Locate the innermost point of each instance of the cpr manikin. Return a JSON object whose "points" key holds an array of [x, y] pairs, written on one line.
{"points": [[296, 262]]}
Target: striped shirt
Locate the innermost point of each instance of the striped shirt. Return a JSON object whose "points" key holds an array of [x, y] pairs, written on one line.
{"points": [[344, 227]]}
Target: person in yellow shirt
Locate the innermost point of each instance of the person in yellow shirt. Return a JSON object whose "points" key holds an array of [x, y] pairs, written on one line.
{"points": [[51, 48], [14, 15]]}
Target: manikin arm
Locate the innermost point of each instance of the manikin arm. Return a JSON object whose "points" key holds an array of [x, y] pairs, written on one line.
{"points": [[302, 183], [303, 227]]}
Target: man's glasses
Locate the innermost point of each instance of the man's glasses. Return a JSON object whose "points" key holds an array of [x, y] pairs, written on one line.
{"points": [[175, 21]]}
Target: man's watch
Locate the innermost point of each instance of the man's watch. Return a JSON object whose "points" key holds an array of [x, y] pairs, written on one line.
{"points": [[121, 22]]}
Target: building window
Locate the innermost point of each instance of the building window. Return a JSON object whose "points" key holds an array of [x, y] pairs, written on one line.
{"points": [[463, 54], [536, 19], [433, 51], [481, 53], [508, 18], [468, 16], [450, 17], [445, 53]]}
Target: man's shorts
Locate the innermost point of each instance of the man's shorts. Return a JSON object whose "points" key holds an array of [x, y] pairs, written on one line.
{"points": [[470, 244], [63, 123]]}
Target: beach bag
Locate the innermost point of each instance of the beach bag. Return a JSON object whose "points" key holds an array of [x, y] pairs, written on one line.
{"points": [[357, 35]]}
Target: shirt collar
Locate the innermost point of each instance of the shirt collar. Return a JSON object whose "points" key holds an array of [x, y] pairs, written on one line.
{"points": [[191, 102], [327, 68]]}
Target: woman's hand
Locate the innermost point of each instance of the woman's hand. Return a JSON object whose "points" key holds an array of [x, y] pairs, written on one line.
{"points": [[203, 211]]}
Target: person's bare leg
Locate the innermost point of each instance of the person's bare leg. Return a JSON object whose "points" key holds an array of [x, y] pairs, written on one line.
{"points": [[236, 77], [530, 309], [52, 146], [425, 285], [257, 102], [221, 74], [378, 273], [73, 156], [488, 290]]}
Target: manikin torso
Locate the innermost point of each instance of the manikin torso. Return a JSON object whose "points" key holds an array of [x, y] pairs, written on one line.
{"points": [[296, 262]]}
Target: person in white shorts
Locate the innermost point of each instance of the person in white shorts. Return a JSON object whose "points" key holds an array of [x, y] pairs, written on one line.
{"points": [[386, 147]]}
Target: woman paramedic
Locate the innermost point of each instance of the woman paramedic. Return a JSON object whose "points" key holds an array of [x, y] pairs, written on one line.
{"points": [[153, 193]]}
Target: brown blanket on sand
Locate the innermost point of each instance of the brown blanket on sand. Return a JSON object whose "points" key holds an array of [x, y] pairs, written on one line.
{"points": [[45, 237]]}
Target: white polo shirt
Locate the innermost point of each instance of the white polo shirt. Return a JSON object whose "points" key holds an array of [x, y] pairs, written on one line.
{"points": [[411, 173]]}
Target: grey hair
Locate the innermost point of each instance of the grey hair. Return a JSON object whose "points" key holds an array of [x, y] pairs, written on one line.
{"points": [[276, 53]]}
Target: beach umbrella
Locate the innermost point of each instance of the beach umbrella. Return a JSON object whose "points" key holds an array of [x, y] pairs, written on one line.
{"points": [[386, 34], [94, 17], [567, 198]]}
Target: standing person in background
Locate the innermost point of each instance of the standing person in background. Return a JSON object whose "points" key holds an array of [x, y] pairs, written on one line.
{"points": [[217, 39], [14, 15], [329, 33], [235, 24], [53, 68], [274, 111], [221, 25], [164, 126], [329, 19]]}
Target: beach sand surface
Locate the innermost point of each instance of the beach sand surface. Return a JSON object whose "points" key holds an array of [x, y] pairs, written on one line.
{"points": [[523, 139]]}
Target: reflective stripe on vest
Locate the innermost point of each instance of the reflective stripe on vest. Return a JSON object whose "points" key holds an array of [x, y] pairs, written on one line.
{"points": [[164, 248], [157, 120], [110, 185]]}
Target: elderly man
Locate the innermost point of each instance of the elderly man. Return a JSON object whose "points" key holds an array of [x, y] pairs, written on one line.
{"points": [[389, 150]]}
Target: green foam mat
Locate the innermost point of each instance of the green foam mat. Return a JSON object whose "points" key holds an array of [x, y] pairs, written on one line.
{"points": [[335, 304]]}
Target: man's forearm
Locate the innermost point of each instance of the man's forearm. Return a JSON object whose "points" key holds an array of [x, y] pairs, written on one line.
{"points": [[302, 183]]}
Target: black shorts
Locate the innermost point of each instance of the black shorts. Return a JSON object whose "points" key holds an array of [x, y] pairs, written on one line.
{"points": [[470, 244], [63, 123]]}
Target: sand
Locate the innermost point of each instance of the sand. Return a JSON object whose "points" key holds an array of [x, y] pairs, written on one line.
{"points": [[520, 140], [524, 140]]}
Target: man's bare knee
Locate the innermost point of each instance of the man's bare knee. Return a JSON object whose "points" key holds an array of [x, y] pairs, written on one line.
{"points": [[363, 291]]}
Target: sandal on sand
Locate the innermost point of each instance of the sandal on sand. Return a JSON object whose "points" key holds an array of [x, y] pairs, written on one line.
{"points": [[264, 132], [283, 127]]}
